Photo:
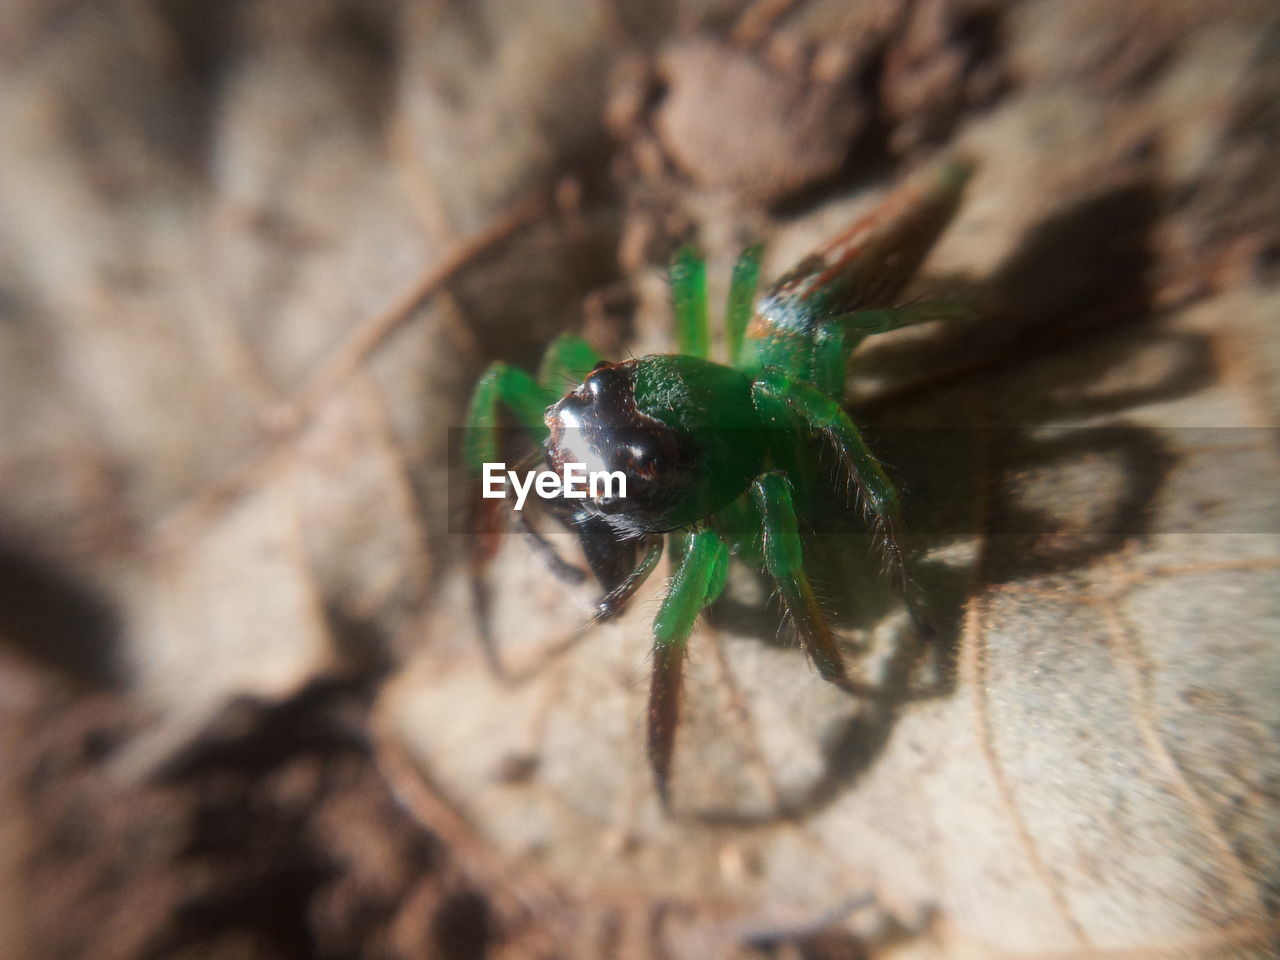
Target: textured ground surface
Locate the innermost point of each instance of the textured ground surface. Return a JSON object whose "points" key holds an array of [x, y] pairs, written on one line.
{"points": [[252, 257]]}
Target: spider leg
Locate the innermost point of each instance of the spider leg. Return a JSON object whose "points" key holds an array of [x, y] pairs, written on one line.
{"points": [[505, 385], [829, 361], [615, 563], [486, 528], [689, 298], [697, 581], [568, 358], [776, 394], [511, 387], [871, 262], [784, 559], [559, 566], [742, 292], [610, 558], [835, 339], [566, 363], [865, 323], [616, 600]]}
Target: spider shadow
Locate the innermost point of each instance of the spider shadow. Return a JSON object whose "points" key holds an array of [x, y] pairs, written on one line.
{"points": [[1066, 302]]}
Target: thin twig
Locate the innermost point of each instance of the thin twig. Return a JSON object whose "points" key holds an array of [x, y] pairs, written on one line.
{"points": [[283, 424]]}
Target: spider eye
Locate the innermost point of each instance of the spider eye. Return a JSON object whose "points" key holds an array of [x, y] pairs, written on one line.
{"points": [[644, 461]]}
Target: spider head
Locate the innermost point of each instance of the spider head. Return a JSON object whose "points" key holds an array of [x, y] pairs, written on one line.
{"points": [[599, 425], [681, 430]]}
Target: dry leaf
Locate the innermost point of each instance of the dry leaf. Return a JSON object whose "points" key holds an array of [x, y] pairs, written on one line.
{"points": [[253, 258]]}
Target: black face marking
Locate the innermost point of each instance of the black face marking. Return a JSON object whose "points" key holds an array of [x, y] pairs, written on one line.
{"points": [[610, 557], [599, 425]]}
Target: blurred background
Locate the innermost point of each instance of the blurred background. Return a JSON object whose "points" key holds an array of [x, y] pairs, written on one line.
{"points": [[254, 255]]}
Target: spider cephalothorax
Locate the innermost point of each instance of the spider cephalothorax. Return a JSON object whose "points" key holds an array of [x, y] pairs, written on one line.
{"points": [[715, 452], [681, 429]]}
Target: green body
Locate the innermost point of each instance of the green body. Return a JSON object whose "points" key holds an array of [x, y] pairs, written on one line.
{"points": [[753, 419], [712, 404]]}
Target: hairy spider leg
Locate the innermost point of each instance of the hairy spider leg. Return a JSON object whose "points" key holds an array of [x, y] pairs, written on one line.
{"points": [[558, 565], [565, 363], [870, 264], [567, 359], [697, 582], [784, 559], [834, 340], [852, 284], [741, 523], [616, 600], [776, 394], [688, 277], [520, 393], [502, 385]]}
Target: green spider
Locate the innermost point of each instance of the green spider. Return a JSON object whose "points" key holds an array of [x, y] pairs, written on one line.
{"points": [[719, 456]]}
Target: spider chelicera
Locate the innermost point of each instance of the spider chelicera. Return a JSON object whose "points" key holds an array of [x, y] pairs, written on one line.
{"points": [[717, 456]]}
